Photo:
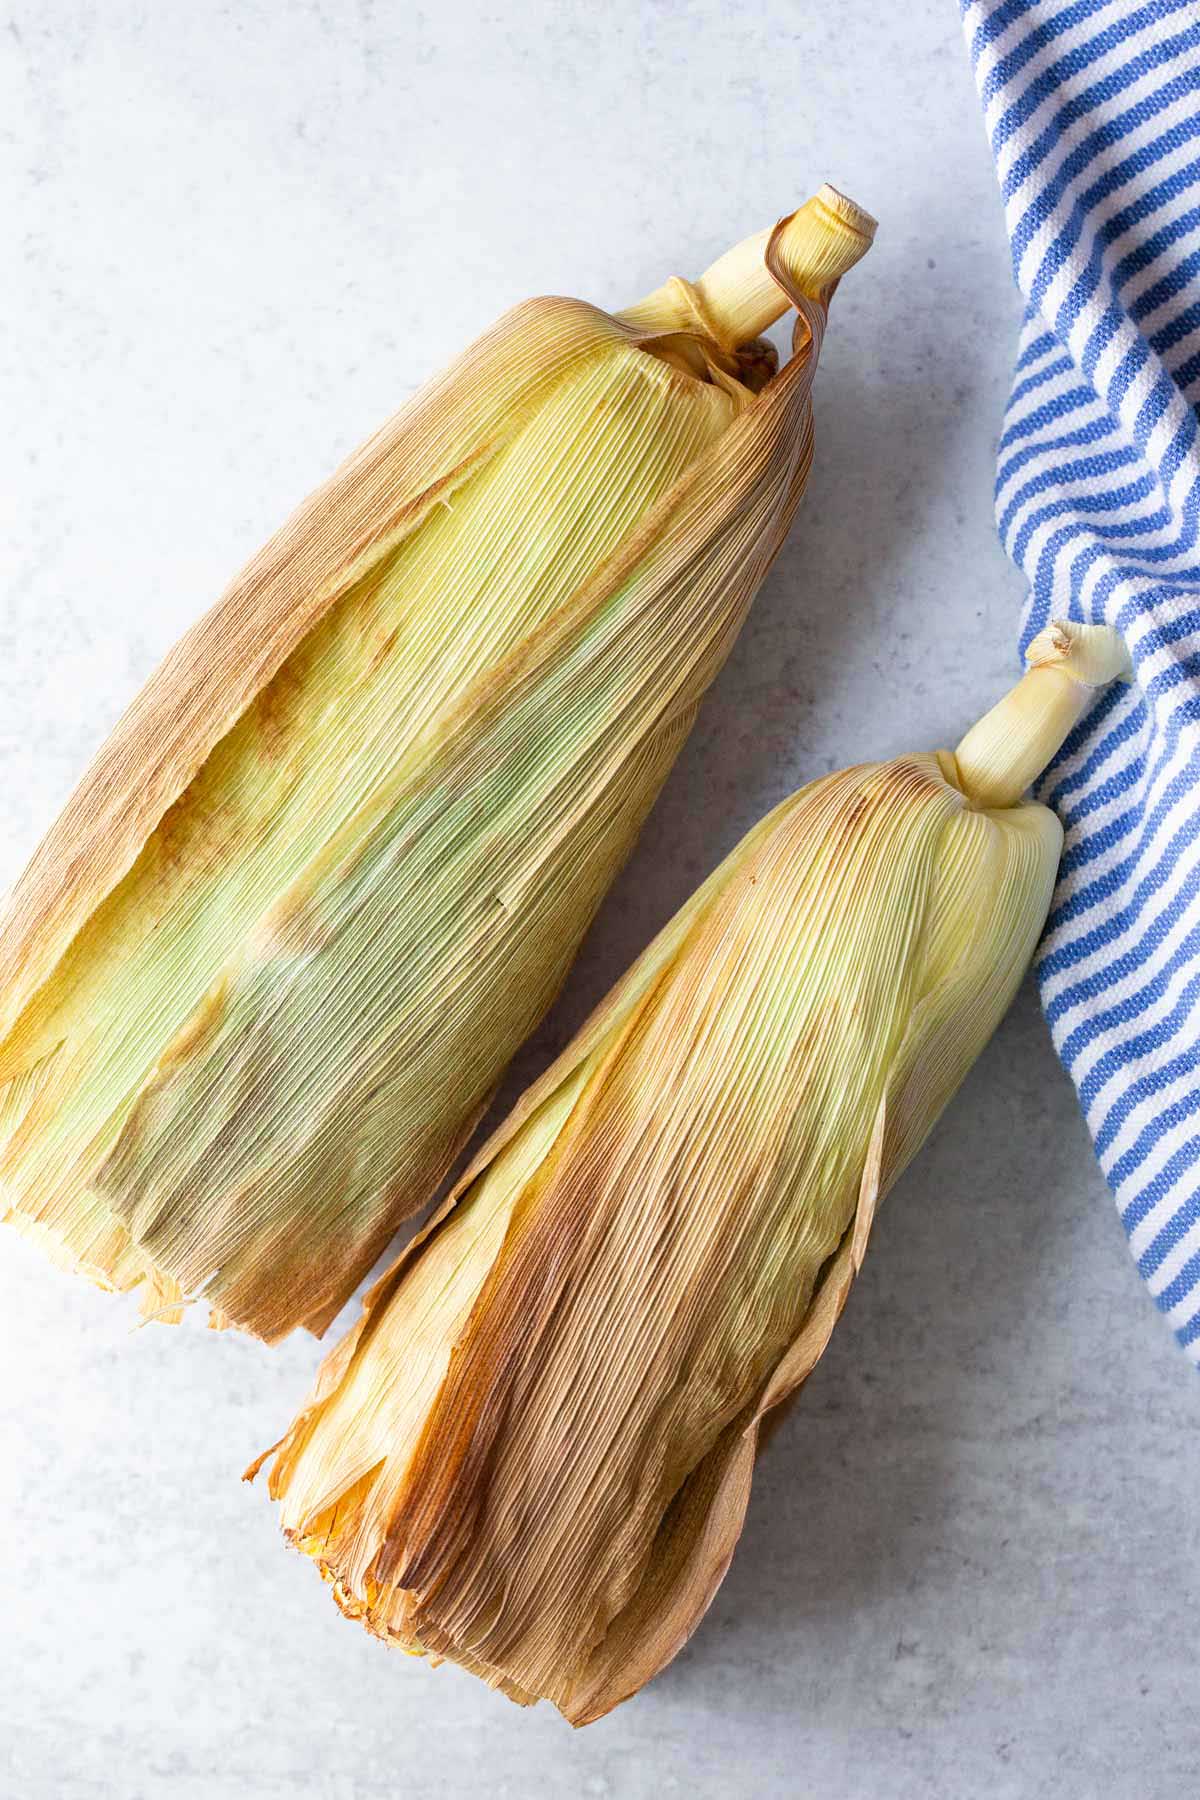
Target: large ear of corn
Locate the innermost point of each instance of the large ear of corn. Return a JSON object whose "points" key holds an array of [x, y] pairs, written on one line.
{"points": [[263, 975], [534, 1452]]}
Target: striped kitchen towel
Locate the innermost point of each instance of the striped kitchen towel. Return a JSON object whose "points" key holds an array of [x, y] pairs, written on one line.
{"points": [[1093, 114]]}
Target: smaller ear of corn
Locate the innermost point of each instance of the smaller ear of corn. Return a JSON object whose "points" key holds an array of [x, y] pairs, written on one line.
{"points": [[649, 1257]]}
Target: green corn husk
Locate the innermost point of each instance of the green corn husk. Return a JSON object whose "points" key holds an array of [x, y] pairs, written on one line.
{"points": [[533, 1454], [262, 977]]}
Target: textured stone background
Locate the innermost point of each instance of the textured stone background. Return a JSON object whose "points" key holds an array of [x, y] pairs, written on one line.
{"points": [[238, 236]]}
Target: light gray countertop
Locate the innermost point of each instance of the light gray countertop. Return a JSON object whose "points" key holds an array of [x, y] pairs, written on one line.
{"points": [[243, 235]]}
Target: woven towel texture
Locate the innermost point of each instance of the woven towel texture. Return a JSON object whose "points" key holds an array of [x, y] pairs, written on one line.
{"points": [[1092, 111]]}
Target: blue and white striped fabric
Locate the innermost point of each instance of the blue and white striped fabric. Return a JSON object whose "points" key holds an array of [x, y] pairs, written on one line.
{"points": [[1093, 114]]}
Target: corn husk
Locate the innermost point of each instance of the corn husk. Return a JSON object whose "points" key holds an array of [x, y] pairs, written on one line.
{"points": [[533, 1454], [263, 975]]}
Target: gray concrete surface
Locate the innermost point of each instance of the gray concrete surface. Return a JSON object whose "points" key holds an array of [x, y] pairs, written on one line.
{"points": [[238, 236]]}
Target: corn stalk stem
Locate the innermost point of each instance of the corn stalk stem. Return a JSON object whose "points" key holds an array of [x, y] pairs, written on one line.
{"points": [[1007, 750], [737, 298]]}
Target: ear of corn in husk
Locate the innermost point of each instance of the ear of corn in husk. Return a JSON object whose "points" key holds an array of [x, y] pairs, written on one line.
{"points": [[533, 1454], [263, 975]]}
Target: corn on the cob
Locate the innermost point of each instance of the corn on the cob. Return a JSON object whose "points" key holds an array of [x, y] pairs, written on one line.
{"points": [[533, 1454], [261, 978]]}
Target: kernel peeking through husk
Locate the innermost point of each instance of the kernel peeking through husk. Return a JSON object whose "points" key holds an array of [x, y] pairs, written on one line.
{"points": [[533, 1453], [263, 975]]}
